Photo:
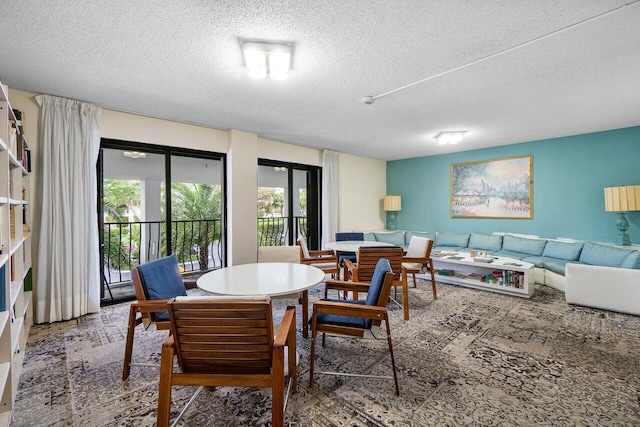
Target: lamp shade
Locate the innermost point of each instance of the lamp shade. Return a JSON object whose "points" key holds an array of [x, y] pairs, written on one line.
{"points": [[392, 203], [622, 199]]}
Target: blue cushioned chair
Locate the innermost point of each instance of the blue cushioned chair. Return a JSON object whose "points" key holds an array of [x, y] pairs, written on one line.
{"points": [[344, 237], [357, 319], [155, 283]]}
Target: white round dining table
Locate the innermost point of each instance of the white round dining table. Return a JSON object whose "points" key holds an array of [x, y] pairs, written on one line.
{"points": [[268, 278]]}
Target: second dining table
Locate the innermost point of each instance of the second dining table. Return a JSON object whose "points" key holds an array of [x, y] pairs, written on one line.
{"points": [[276, 279]]}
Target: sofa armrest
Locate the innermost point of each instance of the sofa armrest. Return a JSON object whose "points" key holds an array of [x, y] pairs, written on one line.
{"points": [[609, 288]]}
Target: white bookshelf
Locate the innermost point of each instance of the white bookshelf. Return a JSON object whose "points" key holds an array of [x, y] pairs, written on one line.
{"points": [[512, 277], [15, 257]]}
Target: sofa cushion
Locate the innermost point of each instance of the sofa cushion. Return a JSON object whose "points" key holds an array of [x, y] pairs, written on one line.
{"points": [[557, 265], [523, 245], [394, 237], [595, 254], [452, 240], [512, 254], [409, 234], [369, 237], [486, 242], [538, 261], [563, 250], [631, 261]]}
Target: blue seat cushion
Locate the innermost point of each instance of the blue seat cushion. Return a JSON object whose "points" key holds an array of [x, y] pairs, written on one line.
{"points": [[631, 261], [347, 255], [595, 254], [395, 238], [557, 265], [523, 245], [454, 240], [161, 279], [339, 320], [409, 234], [347, 236], [513, 254], [563, 250], [485, 242], [538, 261]]}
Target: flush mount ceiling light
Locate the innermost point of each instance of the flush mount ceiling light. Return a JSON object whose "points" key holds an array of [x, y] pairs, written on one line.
{"points": [[135, 154], [267, 58], [450, 137]]}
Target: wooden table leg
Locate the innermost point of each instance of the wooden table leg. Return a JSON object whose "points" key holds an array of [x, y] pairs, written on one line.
{"points": [[304, 301]]}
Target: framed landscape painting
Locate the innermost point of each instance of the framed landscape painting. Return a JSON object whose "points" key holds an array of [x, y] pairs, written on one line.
{"points": [[501, 188]]}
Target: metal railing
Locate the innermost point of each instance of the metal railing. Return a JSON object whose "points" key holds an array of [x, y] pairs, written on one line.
{"points": [[275, 231], [196, 244]]}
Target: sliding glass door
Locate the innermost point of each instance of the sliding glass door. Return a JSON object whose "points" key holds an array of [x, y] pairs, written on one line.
{"points": [[155, 201], [288, 203]]}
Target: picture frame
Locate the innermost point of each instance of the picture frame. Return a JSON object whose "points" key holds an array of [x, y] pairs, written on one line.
{"points": [[498, 188]]}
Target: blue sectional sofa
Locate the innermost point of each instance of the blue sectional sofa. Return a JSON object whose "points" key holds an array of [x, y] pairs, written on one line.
{"points": [[592, 274]]}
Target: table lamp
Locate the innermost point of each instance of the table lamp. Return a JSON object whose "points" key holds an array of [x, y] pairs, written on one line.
{"points": [[622, 200], [392, 204]]}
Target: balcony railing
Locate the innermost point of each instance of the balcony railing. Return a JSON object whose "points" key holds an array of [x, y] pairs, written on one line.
{"points": [[275, 231], [196, 244]]}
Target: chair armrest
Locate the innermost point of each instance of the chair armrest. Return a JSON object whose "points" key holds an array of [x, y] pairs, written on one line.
{"points": [[319, 260], [347, 309], [322, 252], [414, 259], [287, 328], [169, 342], [343, 285], [150, 305]]}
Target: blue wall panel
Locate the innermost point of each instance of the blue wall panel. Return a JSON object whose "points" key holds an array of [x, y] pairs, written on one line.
{"points": [[569, 175]]}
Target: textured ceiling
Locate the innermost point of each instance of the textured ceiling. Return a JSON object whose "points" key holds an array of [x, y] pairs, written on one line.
{"points": [[181, 60]]}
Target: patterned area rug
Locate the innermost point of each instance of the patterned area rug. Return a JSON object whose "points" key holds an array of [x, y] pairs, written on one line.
{"points": [[469, 358]]}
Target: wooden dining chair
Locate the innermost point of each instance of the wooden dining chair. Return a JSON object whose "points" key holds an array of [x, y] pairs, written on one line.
{"points": [[353, 318], [326, 260], [154, 284], [363, 269], [418, 257], [289, 254], [228, 341]]}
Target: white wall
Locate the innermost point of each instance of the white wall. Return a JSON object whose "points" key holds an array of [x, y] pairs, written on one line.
{"points": [[362, 189], [362, 180]]}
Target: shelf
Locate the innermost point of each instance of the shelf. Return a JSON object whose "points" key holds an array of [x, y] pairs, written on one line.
{"points": [[3, 259], [15, 202], [3, 200], [3, 146], [16, 328], [27, 302], [16, 288], [16, 244]]}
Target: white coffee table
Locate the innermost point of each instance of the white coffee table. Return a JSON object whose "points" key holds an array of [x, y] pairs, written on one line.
{"points": [[513, 277], [276, 279]]}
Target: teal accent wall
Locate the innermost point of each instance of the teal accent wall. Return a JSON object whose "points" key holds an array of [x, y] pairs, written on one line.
{"points": [[569, 175]]}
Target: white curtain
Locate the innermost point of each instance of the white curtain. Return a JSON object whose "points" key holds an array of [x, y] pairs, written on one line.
{"points": [[330, 191], [68, 267]]}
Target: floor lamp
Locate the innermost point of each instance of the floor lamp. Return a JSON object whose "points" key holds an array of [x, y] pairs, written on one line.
{"points": [[392, 204], [622, 200]]}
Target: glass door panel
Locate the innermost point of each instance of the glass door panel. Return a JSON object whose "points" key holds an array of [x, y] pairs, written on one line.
{"points": [[196, 212]]}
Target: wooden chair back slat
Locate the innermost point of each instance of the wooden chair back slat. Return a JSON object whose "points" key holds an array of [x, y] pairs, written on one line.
{"points": [[233, 336]]}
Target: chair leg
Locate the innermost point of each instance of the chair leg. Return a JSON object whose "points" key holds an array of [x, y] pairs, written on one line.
{"points": [[414, 280], [304, 301], [393, 360], [128, 351], [314, 333], [277, 390], [164, 385], [405, 298], [433, 281]]}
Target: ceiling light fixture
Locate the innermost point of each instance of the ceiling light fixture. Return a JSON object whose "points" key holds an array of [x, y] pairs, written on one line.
{"points": [[135, 155], [450, 137], [267, 58]]}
